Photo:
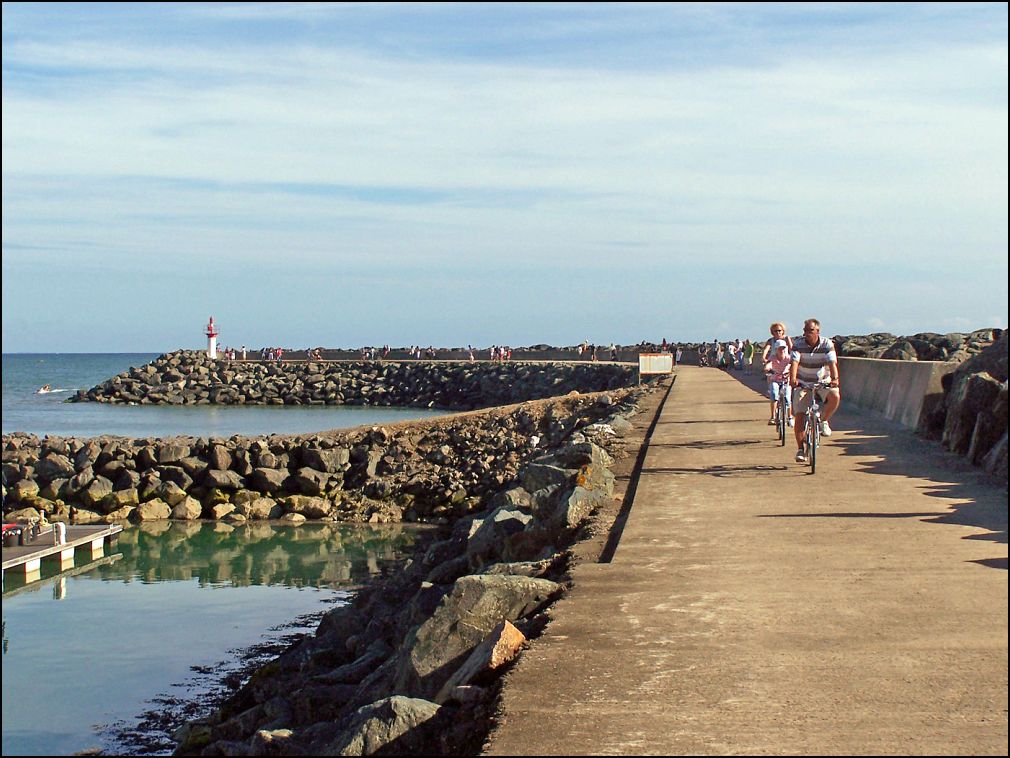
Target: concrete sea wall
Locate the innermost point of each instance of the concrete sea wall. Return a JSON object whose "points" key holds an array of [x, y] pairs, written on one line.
{"points": [[962, 403], [900, 391]]}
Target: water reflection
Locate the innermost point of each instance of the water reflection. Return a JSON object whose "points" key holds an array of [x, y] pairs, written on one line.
{"points": [[306, 555], [174, 600]]}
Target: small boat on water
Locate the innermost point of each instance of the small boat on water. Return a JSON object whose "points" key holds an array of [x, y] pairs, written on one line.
{"points": [[43, 389]]}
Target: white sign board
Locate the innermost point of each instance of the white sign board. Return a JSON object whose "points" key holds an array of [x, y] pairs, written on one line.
{"points": [[655, 363]]}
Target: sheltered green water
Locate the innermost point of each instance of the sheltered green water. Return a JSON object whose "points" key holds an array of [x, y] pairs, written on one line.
{"points": [[163, 618]]}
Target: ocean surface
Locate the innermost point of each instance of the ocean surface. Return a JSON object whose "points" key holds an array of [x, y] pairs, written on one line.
{"points": [[96, 657], [25, 410]]}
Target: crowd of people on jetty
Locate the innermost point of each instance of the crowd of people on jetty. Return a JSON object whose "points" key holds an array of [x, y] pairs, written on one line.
{"points": [[732, 355]]}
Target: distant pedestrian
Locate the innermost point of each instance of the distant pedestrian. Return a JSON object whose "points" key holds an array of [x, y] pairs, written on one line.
{"points": [[678, 356]]}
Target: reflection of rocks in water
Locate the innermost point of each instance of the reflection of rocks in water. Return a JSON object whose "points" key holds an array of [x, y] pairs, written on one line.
{"points": [[154, 528], [260, 553]]}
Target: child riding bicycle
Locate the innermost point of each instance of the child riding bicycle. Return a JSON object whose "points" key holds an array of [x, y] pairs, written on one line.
{"points": [[777, 373]]}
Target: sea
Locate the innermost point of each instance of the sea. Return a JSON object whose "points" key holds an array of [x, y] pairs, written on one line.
{"points": [[25, 409], [110, 656]]}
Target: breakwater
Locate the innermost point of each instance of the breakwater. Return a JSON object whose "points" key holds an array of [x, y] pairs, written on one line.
{"points": [[411, 666], [191, 378], [428, 471]]}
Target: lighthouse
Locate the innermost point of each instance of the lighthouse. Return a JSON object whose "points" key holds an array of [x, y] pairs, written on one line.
{"points": [[211, 339]]}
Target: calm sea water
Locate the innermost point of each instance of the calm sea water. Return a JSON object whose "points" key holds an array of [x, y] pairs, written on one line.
{"points": [[26, 411], [87, 658]]}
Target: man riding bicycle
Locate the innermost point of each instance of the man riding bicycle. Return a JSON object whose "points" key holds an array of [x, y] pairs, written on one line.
{"points": [[813, 360]]}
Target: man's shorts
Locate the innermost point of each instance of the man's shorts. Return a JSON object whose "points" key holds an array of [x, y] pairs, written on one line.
{"points": [[775, 387], [801, 397]]}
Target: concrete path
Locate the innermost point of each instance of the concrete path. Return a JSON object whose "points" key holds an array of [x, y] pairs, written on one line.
{"points": [[752, 608]]}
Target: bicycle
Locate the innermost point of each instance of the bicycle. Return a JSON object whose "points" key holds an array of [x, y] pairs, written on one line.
{"points": [[812, 433], [782, 407]]}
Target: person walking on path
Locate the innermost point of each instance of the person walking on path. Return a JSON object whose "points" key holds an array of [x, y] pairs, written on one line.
{"points": [[748, 356], [813, 360]]}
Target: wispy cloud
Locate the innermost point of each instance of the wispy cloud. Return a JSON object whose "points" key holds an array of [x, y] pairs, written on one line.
{"points": [[871, 137]]}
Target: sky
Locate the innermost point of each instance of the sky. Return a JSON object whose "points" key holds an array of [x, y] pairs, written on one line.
{"points": [[358, 174]]}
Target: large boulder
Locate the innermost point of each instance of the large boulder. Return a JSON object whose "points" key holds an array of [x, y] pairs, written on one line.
{"points": [[152, 510], [307, 506], [970, 395], [97, 490], [489, 540], [260, 508], [539, 475], [187, 509], [330, 461], [467, 615], [224, 480], [497, 649], [219, 458], [172, 452], [171, 493], [570, 508], [396, 725], [120, 499], [267, 480], [309, 481], [24, 491], [54, 466]]}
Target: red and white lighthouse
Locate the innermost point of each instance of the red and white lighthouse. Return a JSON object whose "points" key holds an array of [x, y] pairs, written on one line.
{"points": [[211, 339]]}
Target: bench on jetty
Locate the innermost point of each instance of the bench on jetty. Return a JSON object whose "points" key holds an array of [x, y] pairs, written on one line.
{"points": [[27, 559]]}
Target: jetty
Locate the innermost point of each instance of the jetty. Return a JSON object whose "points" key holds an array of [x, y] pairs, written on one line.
{"points": [[751, 607], [87, 543]]}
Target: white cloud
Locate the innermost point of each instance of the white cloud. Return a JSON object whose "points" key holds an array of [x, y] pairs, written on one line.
{"points": [[852, 156]]}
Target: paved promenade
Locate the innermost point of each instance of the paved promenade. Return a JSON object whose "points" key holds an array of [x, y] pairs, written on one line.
{"points": [[751, 608]]}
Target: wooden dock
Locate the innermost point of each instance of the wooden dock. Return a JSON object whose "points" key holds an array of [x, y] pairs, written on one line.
{"points": [[26, 560]]}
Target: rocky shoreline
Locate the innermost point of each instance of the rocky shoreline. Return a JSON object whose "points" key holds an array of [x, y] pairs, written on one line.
{"points": [[406, 667], [410, 666], [431, 471]]}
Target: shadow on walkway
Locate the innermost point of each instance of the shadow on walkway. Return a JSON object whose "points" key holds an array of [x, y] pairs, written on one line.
{"points": [[897, 451], [617, 529]]}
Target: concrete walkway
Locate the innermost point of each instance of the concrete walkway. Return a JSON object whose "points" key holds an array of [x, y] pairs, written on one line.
{"points": [[752, 608]]}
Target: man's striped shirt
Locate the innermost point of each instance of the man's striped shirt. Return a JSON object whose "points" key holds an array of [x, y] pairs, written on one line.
{"points": [[813, 360]]}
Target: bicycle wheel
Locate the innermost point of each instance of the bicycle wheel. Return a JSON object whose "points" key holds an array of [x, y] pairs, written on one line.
{"points": [[781, 420], [809, 442]]}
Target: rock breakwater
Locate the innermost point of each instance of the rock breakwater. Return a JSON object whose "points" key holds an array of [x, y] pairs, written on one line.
{"points": [[430, 471], [191, 378], [972, 419], [925, 346], [411, 666]]}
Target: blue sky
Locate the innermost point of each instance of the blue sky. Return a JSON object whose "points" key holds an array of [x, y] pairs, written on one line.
{"points": [[352, 174]]}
